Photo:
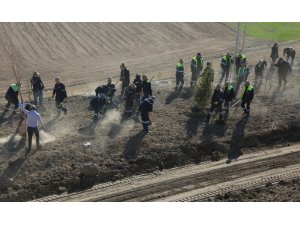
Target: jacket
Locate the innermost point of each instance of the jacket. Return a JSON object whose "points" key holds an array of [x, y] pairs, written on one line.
{"points": [[59, 91], [125, 75], [139, 84], [226, 62], [12, 93], [37, 84], [179, 69], [283, 68], [146, 106], [217, 97], [248, 93], [229, 93], [147, 87]]}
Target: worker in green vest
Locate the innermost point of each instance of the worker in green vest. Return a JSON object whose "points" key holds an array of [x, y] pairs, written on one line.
{"points": [[247, 97], [179, 75], [196, 68], [242, 76]]}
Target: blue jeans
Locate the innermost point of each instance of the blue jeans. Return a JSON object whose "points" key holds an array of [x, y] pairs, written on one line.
{"points": [[38, 95]]}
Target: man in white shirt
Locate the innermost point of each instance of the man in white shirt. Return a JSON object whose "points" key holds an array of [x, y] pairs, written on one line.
{"points": [[33, 120]]}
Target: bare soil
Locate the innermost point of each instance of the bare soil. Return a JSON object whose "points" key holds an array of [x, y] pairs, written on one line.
{"points": [[179, 135]]}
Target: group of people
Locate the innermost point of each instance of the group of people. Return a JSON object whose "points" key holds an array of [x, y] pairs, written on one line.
{"points": [[136, 96], [241, 77]]}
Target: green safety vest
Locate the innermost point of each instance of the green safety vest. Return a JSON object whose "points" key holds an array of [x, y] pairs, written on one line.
{"points": [[179, 65], [15, 87], [201, 61], [248, 88], [229, 87]]}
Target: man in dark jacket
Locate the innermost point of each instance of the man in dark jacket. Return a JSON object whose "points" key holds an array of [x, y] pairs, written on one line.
{"points": [[290, 52], [59, 91], [124, 77], [109, 88], [12, 96], [216, 102], [129, 100], [274, 53], [145, 107], [37, 86], [98, 102], [239, 59], [226, 63], [229, 95], [147, 90], [247, 97], [259, 72], [139, 87], [196, 68], [283, 69]]}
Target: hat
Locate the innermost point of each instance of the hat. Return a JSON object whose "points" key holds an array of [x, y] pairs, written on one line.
{"points": [[199, 53]]}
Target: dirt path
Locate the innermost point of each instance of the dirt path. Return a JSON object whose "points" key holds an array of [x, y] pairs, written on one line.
{"points": [[196, 182]]}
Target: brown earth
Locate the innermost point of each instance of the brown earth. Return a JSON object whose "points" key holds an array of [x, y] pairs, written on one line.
{"points": [[118, 149]]}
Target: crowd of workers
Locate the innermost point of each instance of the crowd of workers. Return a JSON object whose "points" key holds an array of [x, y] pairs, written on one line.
{"points": [[138, 97]]}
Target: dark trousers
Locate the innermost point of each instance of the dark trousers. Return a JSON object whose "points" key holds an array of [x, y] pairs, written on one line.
{"points": [[226, 105], [31, 131], [60, 106], [179, 82], [145, 120], [12, 101], [225, 73], [213, 107], [128, 107], [247, 108], [282, 77], [195, 76], [125, 84]]}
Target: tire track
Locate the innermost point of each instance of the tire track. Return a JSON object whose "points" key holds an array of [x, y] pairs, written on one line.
{"points": [[159, 186]]}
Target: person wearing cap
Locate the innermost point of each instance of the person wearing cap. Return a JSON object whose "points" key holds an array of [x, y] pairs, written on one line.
{"points": [[283, 70], [139, 87], [274, 53], [109, 88], [145, 107], [229, 95], [239, 58], [196, 68], [12, 96], [147, 90], [289, 52], [37, 86], [209, 72], [98, 102], [33, 120], [129, 100], [259, 72], [247, 97], [60, 93], [242, 76], [225, 64], [216, 102], [124, 77], [179, 75]]}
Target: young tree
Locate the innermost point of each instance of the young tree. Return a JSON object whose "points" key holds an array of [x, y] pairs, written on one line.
{"points": [[203, 90]]}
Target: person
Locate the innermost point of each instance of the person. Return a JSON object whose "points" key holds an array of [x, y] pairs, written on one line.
{"points": [[196, 68], [124, 77], [109, 88], [289, 52], [247, 97], [242, 76], [225, 66], [12, 96], [229, 95], [179, 75], [208, 71], [100, 90], [145, 107], [239, 58], [283, 69], [33, 120], [139, 87], [60, 93], [147, 90], [274, 53], [259, 71], [98, 102], [129, 100], [216, 102], [37, 86]]}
